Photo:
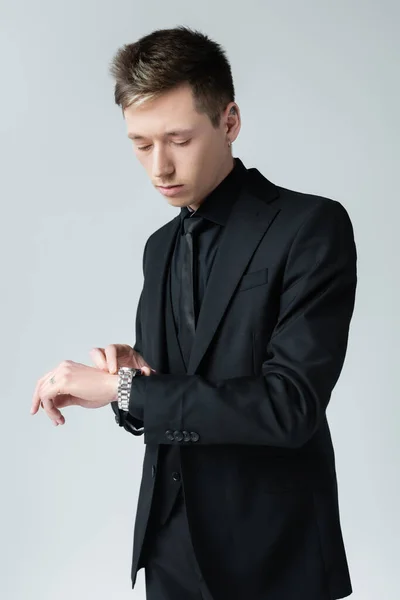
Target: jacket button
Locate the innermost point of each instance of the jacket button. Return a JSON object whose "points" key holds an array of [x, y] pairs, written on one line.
{"points": [[178, 436], [117, 419], [176, 476], [170, 435], [186, 436], [153, 470], [194, 436]]}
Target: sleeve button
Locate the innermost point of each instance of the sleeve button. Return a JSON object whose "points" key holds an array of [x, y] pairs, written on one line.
{"points": [[194, 436], [178, 436], [170, 435]]}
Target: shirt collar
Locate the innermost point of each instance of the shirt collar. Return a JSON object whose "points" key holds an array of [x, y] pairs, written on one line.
{"points": [[217, 205]]}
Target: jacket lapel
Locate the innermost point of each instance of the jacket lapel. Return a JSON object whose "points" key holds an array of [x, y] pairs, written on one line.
{"points": [[154, 298], [249, 220]]}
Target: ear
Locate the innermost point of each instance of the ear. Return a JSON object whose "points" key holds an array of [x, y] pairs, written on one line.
{"points": [[232, 121]]}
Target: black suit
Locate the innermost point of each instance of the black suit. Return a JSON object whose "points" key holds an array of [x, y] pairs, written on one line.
{"points": [[248, 412]]}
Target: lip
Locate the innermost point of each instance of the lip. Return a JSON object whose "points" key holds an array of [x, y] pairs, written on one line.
{"points": [[170, 191]]}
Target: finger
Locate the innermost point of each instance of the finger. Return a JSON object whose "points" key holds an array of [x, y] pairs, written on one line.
{"points": [[139, 361], [111, 357], [36, 397], [99, 358], [47, 392], [52, 412], [146, 371]]}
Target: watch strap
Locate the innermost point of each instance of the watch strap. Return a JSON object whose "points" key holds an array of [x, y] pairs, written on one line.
{"points": [[125, 376]]}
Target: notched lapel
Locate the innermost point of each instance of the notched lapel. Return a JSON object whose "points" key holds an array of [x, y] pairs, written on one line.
{"points": [[249, 220]]}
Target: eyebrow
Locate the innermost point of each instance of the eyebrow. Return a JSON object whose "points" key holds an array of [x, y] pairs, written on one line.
{"points": [[175, 132]]}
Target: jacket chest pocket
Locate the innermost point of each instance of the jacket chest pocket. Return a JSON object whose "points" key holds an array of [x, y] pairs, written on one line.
{"points": [[253, 279]]}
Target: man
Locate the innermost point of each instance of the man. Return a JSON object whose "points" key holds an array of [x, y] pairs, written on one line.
{"points": [[241, 330]]}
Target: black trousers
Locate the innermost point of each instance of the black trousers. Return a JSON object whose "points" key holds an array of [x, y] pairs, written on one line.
{"points": [[171, 568]]}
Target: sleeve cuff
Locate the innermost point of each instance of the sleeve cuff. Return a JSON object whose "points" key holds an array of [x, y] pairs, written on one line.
{"points": [[137, 397]]}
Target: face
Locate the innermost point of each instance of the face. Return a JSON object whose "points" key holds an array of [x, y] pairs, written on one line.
{"points": [[178, 146]]}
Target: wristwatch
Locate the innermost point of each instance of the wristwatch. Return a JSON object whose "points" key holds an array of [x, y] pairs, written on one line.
{"points": [[126, 374]]}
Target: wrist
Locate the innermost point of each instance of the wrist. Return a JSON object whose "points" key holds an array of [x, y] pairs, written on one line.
{"points": [[113, 385]]}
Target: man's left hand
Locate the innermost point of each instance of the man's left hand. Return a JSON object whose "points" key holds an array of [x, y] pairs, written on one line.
{"points": [[74, 384]]}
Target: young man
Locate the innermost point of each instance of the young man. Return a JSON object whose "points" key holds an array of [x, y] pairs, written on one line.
{"points": [[241, 331]]}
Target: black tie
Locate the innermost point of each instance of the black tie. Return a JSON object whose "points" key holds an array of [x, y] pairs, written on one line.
{"points": [[187, 294]]}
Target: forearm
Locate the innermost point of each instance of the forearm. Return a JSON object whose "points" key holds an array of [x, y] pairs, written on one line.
{"points": [[259, 410]]}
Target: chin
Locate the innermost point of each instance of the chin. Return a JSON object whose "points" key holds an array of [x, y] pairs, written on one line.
{"points": [[179, 202]]}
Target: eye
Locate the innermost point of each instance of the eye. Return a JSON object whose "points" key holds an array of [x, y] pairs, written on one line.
{"points": [[145, 148]]}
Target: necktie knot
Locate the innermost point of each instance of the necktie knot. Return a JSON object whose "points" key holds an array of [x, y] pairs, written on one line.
{"points": [[191, 224]]}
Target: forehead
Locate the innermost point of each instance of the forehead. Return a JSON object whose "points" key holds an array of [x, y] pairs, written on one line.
{"points": [[172, 112]]}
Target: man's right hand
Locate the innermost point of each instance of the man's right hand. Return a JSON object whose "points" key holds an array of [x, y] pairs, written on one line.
{"points": [[114, 356]]}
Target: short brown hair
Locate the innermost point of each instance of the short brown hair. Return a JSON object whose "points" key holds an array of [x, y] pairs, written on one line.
{"points": [[167, 58]]}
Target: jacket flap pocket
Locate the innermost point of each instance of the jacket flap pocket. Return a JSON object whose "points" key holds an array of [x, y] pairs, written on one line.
{"points": [[253, 279]]}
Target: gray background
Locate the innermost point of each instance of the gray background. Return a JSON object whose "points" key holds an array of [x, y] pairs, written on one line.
{"points": [[318, 86]]}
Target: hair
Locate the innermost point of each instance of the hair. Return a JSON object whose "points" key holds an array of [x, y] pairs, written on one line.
{"points": [[167, 58]]}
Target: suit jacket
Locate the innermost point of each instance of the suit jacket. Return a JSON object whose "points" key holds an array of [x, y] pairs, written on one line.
{"points": [[249, 414]]}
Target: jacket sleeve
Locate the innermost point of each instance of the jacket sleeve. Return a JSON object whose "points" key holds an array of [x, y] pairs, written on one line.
{"points": [[284, 404]]}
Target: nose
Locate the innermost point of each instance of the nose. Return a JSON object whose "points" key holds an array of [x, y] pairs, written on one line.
{"points": [[162, 166]]}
